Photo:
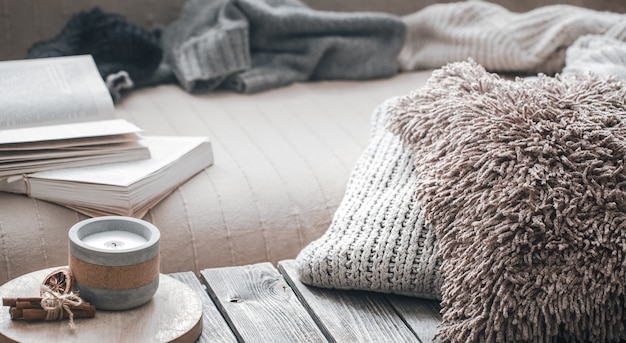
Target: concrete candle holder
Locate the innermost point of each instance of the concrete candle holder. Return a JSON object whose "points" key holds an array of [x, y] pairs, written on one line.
{"points": [[115, 261]]}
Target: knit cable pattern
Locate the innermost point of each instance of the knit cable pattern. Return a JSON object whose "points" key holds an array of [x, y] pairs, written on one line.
{"points": [[377, 240]]}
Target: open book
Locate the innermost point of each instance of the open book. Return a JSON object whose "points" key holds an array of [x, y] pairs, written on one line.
{"points": [[126, 188], [56, 113]]}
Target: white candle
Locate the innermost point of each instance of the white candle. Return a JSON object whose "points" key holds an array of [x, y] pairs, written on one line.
{"points": [[115, 261], [114, 239]]}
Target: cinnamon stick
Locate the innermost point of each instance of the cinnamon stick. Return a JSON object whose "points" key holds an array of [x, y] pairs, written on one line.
{"points": [[30, 309], [41, 314], [13, 301]]}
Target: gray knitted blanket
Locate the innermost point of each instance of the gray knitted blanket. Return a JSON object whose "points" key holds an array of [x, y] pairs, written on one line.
{"points": [[254, 45], [500, 40], [524, 184]]}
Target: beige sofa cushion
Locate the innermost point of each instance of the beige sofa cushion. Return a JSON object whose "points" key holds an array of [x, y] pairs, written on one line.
{"points": [[282, 161]]}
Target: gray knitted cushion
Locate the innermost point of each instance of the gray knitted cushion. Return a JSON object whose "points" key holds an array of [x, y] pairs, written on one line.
{"points": [[377, 240]]}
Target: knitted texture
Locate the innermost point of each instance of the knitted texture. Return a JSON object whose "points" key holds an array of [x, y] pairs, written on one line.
{"points": [[115, 44], [377, 240], [603, 56], [207, 43], [496, 38], [525, 186], [254, 45]]}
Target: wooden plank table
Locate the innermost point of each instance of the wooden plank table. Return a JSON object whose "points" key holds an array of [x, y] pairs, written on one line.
{"points": [[259, 303]]}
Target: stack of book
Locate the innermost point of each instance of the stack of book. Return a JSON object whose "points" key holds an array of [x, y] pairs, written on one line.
{"points": [[60, 141]]}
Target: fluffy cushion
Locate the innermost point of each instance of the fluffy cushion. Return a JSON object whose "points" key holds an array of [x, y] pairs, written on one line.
{"points": [[377, 239], [524, 184]]}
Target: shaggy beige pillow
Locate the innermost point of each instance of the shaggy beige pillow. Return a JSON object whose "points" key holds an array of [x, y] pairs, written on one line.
{"points": [[377, 240], [524, 183]]}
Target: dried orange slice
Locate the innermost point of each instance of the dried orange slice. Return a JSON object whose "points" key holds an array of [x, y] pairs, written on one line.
{"points": [[60, 280]]}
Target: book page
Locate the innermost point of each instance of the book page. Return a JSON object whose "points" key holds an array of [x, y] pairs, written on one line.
{"points": [[102, 157], [76, 143], [67, 131], [163, 151], [30, 156], [35, 92]]}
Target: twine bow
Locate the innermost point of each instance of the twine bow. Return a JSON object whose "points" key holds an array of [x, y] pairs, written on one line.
{"points": [[55, 303]]}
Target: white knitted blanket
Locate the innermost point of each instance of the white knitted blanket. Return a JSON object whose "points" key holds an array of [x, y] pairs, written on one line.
{"points": [[498, 39], [601, 55]]}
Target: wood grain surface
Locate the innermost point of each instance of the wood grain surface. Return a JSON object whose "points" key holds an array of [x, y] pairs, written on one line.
{"points": [[350, 316], [259, 305], [214, 326], [173, 315]]}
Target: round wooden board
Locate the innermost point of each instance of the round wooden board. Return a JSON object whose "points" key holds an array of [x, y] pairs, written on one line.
{"points": [[173, 315]]}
